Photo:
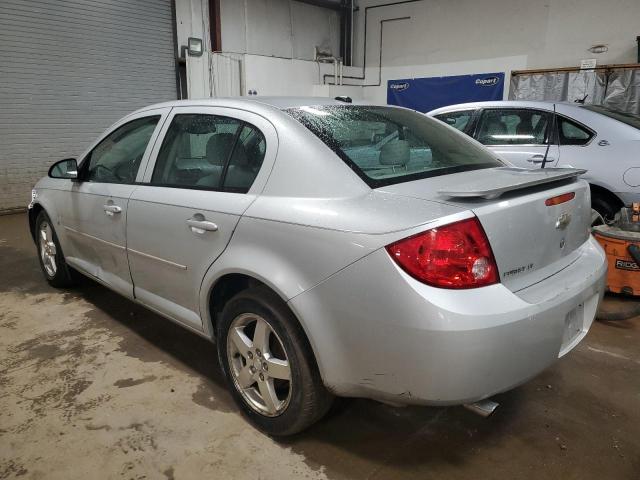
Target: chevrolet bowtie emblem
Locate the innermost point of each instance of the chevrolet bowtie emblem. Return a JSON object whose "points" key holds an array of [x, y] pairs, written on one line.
{"points": [[563, 221]]}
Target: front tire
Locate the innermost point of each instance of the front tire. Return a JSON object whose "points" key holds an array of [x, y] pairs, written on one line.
{"points": [[55, 269], [268, 364]]}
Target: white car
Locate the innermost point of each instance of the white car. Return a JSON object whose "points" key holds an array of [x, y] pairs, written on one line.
{"points": [[602, 141]]}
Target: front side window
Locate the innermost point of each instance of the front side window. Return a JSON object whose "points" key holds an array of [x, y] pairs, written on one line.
{"points": [[570, 133], [209, 152], [458, 120], [387, 145], [513, 127], [116, 159]]}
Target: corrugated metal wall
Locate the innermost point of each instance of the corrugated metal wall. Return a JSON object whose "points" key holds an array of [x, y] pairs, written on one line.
{"points": [[616, 88], [68, 70]]}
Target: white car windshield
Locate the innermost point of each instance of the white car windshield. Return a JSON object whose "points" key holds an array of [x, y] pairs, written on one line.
{"points": [[386, 145]]}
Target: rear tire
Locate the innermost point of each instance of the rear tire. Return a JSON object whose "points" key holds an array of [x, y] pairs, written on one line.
{"points": [[257, 329], [54, 267]]}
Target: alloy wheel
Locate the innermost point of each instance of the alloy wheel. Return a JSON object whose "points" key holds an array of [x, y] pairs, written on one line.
{"points": [[596, 218], [259, 365], [48, 249]]}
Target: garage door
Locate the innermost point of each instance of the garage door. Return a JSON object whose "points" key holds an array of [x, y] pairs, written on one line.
{"points": [[68, 70]]}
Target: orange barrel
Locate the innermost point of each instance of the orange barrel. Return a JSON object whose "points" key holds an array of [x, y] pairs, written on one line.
{"points": [[623, 256]]}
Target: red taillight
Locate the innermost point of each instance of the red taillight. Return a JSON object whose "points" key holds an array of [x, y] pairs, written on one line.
{"points": [[565, 197], [457, 255]]}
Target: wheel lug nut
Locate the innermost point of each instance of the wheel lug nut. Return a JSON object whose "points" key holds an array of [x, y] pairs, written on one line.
{"points": [[258, 352], [262, 377], [252, 369], [265, 366], [250, 355]]}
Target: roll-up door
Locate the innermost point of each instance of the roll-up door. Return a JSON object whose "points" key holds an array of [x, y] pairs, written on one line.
{"points": [[68, 70]]}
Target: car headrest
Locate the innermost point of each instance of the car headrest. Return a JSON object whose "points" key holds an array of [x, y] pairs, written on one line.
{"points": [[395, 153], [218, 147], [240, 157]]}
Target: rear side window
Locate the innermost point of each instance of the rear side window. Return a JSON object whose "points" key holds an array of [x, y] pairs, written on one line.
{"points": [[458, 120], [209, 152], [116, 159], [513, 127], [388, 145], [570, 133]]}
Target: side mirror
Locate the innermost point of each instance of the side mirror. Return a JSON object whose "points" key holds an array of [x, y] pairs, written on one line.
{"points": [[67, 168]]}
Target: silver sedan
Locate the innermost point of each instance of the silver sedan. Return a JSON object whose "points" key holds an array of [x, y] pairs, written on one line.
{"points": [[329, 248]]}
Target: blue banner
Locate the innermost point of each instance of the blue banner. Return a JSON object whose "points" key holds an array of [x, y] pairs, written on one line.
{"points": [[426, 94]]}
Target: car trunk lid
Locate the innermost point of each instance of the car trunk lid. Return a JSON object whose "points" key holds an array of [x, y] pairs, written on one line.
{"points": [[531, 238]]}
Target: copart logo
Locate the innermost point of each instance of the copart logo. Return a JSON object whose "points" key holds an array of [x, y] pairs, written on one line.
{"points": [[487, 82], [399, 87]]}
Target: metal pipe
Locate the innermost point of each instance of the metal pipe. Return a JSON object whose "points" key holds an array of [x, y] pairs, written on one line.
{"points": [[484, 408], [351, 39], [335, 71], [340, 64], [364, 50]]}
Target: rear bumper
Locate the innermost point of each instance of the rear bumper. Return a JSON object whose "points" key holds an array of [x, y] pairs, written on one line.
{"points": [[379, 333]]}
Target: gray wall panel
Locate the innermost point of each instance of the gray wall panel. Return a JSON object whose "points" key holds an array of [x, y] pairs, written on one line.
{"points": [[68, 70]]}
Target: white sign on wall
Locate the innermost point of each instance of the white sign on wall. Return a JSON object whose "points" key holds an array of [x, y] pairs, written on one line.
{"points": [[588, 63]]}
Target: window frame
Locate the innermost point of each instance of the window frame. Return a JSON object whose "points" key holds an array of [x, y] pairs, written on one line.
{"points": [[225, 167], [591, 131], [373, 183], [84, 162], [471, 124], [244, 117], [550, 136]]}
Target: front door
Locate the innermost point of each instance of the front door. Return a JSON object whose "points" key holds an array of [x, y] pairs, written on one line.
{"points": [[523, 136], [205, 175], [96, 211]]}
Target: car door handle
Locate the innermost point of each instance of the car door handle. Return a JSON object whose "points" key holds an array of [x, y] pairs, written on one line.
{"points": [[539, 159], [110, 210], [201, 226]]}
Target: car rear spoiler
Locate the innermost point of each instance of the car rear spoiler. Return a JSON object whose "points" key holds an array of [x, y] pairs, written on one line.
{"points": [[493, 182]]}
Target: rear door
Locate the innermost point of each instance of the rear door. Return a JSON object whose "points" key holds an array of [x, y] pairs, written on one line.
{"points": [[573, 137], [520, 135], [96, 208], [208, 169]]}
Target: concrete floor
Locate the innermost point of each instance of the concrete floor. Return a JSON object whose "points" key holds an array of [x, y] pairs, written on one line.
{"points": [[94, 386]]}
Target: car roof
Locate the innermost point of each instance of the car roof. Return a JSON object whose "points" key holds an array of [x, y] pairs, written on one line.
{"points": [[280, 103], [506, 103]]}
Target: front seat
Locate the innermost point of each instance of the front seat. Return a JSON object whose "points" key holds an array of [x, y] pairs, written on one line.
{"points": [[493, 126]]}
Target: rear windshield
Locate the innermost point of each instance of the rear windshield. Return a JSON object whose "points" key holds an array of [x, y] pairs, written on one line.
{"points": [[386, 145], [628, 118]]}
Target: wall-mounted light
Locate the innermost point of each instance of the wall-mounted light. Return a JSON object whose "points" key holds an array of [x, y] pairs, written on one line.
{"points": [[599, 48], [194, 47]]}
